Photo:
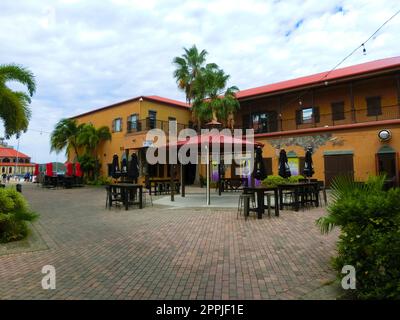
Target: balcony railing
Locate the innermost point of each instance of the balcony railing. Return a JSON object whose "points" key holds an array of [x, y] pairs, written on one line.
{"points": [[327, 120], [148, 124]]}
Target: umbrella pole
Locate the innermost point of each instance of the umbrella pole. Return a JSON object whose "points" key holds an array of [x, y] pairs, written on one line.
{"points": [[182, 181], [172, 182], [208, 176]]}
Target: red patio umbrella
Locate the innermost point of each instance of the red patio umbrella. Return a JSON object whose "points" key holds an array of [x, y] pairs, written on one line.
{"points": [[36, 172], [205, 142], [69, 169], [78, 171], [49, 169]]}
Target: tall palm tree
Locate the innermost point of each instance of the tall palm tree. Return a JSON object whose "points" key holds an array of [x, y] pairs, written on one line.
{"points": [[215, 101], [90, 137], [14, 105], [65, 136], [188, 67]]}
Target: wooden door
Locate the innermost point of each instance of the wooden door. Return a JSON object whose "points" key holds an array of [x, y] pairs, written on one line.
{"points": [[338, 165]]}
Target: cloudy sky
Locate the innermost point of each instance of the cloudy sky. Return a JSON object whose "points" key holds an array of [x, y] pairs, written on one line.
{"points": [[88, 53]]}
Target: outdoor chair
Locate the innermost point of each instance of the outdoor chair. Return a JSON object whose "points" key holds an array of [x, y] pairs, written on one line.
{"points": [[322, 190], [114, 195], [249, 196], [147, 196]]}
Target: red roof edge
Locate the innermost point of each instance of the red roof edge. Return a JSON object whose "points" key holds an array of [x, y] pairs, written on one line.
{"points": [[342, 73]]}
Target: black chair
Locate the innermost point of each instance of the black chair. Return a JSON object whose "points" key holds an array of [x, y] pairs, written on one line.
{"points": [[114, 195]]}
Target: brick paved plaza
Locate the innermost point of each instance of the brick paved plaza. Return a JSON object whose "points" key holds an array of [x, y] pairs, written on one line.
{"points": [[164, 252]]}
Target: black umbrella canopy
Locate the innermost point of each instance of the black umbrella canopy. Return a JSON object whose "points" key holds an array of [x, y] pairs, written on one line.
{"points": [[308, 164], [124, 165], [133, 170], [259, 168], [116, 173], [284, 170]]}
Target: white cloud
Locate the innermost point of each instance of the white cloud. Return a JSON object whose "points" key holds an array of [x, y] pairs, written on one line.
{"points": [[87, 54]]}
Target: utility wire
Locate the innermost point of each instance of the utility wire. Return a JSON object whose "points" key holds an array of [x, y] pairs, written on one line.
{"points": [[345, 58]]}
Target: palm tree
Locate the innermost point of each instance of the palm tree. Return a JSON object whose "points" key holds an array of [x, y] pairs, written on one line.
{"points": [[65, 135], [14, 105], [215, 101], [188, 67], [90, 137]]}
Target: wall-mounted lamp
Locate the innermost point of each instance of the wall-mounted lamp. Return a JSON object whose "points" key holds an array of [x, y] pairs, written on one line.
{"points": [[384, 135]]}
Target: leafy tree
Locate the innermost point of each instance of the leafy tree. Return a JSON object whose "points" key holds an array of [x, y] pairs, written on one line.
{"points": [[14, 105], [91, 137], [65, 136], [215, 101]]}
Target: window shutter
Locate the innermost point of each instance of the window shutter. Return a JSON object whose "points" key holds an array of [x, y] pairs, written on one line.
{"points": [[113, 126], [316, 114], [120, 121], [298, 116]]}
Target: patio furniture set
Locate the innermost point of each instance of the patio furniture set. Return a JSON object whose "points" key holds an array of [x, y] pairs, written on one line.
{"points": [[302, 195]]}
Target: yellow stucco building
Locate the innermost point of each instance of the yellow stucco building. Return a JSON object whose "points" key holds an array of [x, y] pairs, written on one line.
{"points": [[339, 114]]}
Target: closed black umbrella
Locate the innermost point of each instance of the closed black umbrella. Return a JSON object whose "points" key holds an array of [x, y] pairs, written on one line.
{"points": [[308, 164], [259, 168], [124, 164], [133, 170], [284, 170], [116, 173]]}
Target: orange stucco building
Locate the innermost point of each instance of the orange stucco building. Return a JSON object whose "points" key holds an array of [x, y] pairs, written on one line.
{"points": [[339, 114]]}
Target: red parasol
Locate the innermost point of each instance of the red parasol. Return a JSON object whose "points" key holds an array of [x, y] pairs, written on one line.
{"points": [[36, 172], [69, 169], [49, 169], [78, 171]]}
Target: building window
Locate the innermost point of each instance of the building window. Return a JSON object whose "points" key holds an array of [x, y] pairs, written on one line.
{"points": [[263, 122], [374, 107], [152, 119], [307, 115], [117, 125], [133, 124], [337, 111]]}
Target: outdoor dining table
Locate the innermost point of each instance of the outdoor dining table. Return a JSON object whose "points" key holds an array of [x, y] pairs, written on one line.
{"points": [[232, 183], [126, 190], [299, 190], [260, 191], [156, 182]]}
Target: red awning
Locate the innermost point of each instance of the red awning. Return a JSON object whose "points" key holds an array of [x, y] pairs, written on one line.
{"points": [[210, 138]]}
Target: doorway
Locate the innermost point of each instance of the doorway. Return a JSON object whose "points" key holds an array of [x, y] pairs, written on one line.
{"points": [[387, 164], [338, 165]]}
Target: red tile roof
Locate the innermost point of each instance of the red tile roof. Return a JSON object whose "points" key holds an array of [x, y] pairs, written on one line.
{"points": [[355, 70], [13, 164], [12, 153], [170, 102]]}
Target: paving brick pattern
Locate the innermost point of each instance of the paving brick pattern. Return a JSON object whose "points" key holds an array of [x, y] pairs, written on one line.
{"points": [[165, 253]]}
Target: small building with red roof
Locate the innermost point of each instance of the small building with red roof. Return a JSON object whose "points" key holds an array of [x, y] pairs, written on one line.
{"points": [[14, 162]]}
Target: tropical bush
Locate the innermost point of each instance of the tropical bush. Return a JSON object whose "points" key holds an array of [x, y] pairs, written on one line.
{"points": [[294, 179], [273, 181], [14, 212], [369, 218], [100, 181]]}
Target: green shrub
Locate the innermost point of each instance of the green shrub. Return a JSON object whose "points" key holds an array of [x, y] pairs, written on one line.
{"points": [[100, 181], [369, 219], [294, 179], [14, 212], [273, 181]]}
